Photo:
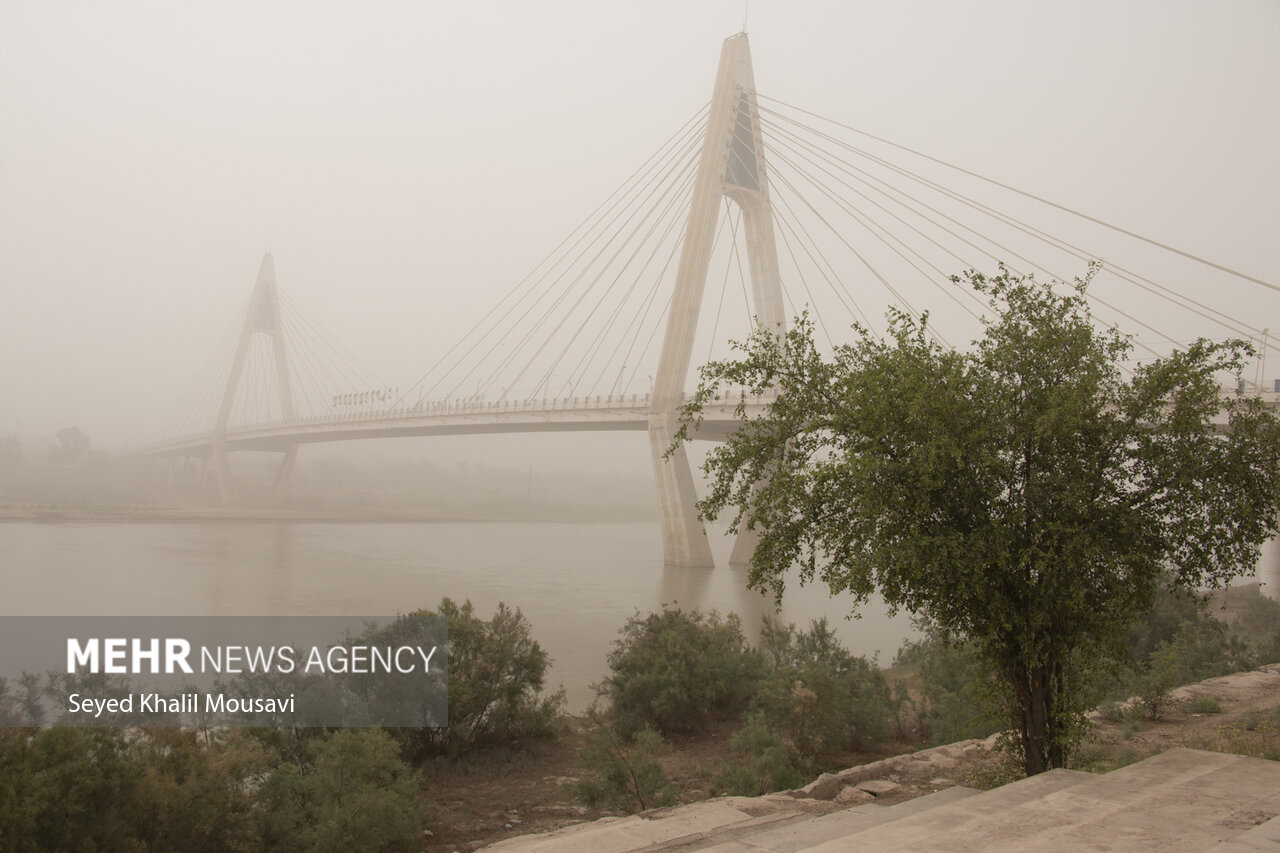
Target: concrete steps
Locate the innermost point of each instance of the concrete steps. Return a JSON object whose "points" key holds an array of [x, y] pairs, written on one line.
{"points": [[620, 835], [1181, 800], [806, 832]]}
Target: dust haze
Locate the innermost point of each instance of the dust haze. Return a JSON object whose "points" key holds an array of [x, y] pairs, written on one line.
{"points": [[406, 164]]}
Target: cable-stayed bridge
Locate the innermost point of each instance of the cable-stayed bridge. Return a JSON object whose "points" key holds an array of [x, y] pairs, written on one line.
{"points": [[751, 212]]}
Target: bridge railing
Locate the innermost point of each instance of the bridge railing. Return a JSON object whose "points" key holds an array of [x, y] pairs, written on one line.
{"points": [[446, 408]]}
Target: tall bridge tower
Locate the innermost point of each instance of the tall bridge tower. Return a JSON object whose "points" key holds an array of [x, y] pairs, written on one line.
{"points": [[731, 166], [263, 318]]}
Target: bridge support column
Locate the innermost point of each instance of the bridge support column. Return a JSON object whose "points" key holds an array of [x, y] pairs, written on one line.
{"points": [[284, 474], [732, 166], [684, 539]]}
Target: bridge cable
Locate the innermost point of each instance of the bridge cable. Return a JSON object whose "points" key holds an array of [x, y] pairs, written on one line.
{"points": [[1138, 280], [591, 285], [862, 258], [680, 206], [804, 281], [574, 237], [867, 225], [1091, 295], [724, 283], [1034, 197], [844, 204], [823, 265], [558, 300], [676, 206]]}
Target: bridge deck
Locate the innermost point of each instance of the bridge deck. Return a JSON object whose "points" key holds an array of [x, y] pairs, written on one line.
{"points": [[576, 414]]}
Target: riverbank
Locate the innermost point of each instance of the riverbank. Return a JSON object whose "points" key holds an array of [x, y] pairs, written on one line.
{"points": [[529, 790]]}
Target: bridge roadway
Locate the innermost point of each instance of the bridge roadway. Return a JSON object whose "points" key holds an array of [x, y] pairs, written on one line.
{"points": [[566, 414]]}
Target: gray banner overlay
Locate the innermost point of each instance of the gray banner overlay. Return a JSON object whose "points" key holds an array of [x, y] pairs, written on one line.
{"points": [[201, 671]]}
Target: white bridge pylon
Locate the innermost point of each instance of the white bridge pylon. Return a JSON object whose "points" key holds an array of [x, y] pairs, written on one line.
{"points": [[731, 166], [263, 317]]}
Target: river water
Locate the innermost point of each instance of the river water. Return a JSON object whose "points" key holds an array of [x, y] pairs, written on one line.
{"points": [[576, 583]]}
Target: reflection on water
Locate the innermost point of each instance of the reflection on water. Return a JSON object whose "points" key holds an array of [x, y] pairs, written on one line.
{"points": [[577, 584]]}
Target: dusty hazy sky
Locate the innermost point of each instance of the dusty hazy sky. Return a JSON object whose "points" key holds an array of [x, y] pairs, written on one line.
{"points": [[406, 162]]}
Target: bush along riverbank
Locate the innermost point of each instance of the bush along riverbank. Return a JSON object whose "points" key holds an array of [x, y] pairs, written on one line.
{"points": [[688, 710]]}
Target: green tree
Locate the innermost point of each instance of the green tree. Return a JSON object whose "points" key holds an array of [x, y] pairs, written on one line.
{"points": [[1023, 494]]}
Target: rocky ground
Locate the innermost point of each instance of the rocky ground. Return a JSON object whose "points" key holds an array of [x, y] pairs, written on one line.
{"points": [[530, 790]]}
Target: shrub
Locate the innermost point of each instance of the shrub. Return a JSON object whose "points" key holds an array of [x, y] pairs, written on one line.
{"points": [[626, 776], [770, 762], [1194, 645], [68, 789], [676, 670], [1205, 705], [786, 647], [1155, 684], [1259, 618], [496, 672], [129, 789], [353, 793], [1114, 712], [820, 697], [958, 699], [1200, 649]]}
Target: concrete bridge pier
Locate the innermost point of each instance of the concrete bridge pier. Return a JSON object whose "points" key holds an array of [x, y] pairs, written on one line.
{"points": [[684, 539], [284, 475]]}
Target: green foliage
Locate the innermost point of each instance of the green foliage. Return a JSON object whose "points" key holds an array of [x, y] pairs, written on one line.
{"points": [[180, 790], [1259, 625], [1205, 705], [1260, 617], [675, 670], [351, 792], [279, 789], [68, 789], [959, 692], [626, 775], [496, 672], [1161, 676], [1177, 643], [198, 790], [820, 697], [1170, 611], [1023, 495], [770, 766]]}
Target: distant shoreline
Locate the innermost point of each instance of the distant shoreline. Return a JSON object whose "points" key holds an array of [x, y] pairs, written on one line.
{"points": [[54, 514]]}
